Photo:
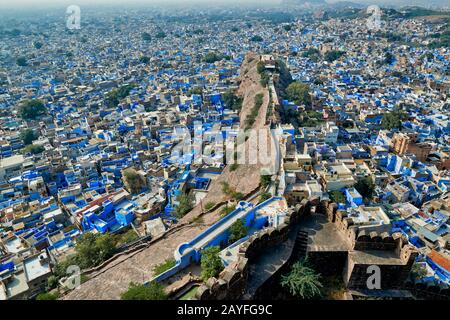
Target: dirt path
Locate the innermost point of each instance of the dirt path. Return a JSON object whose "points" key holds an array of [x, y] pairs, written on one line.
{"points": [[109, 284]]}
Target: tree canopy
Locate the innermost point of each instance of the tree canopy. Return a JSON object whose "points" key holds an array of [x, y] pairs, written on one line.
{"points": [[144, 59], [393, 120], [195, 90], [333, 55], [33, 149], [365, 187], [113, 98], [28, 136], [185, 204], [93, 249], [232, 101], [256, 38], [38, 45], [211, 263], [151, 291], [265, 180], [32, 109], [238, 230], [212, 57], [146, 36], [133, 180], [299, 93], [337, 197], [22, 62]]}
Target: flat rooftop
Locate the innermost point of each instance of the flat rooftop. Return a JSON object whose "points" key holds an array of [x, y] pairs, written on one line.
{"points": [[323, 235], [36, 268]]}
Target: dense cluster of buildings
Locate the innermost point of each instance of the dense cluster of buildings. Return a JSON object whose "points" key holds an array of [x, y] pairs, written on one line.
{"points": [[120, 92]]}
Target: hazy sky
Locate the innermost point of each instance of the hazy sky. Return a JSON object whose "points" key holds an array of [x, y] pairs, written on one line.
{"points": [[44, 3]]}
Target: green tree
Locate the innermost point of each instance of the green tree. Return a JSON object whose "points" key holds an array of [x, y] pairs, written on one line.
{"points": [[38, 45], [264, 197], [337, 197], [126, 237], [265, 180], [151, 291], [146, 36], [185, 204], [237, 231], [232, 101], [226, 189], [333, 55], [33, 149], [388, 58], [393, 120], [32, 109], [52, 282], [113, 98], [302, 281], [144, 59], [260, 67], [310, 52], [299, 93], [22, 62], [133, 180], [237, 195], [209, 205], [212, 57], [160, 35], [365, 187], [93, 249], [256, 38], [195, 90], [28, 136], [418, 271], [47, 296], [211, 263]]}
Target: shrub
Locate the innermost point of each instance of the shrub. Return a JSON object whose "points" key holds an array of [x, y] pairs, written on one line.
{"points": [[226, 211], [265, 180], [186, 203], [47, 296], [162, 267], [264, 197], [237, 231], [302, 281], [152, 291], [209, 206]]}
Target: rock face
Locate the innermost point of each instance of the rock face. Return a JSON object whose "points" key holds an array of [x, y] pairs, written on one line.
{"points": [[246, 177], [250, 86]]}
